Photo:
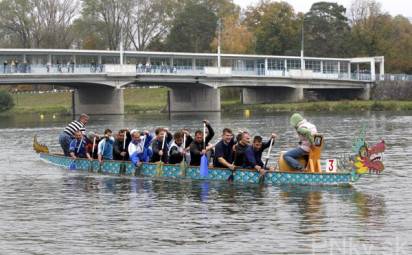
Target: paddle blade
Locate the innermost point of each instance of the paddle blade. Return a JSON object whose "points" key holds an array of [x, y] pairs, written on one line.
{"points": [[72, 166], [183, 168], [204, 170], [159, 168]]}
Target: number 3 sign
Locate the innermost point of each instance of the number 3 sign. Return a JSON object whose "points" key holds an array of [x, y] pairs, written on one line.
{"points": [[330, 166]]}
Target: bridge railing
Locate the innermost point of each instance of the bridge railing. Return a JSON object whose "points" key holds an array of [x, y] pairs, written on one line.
{"points": [[394, 77], [191, 70]]}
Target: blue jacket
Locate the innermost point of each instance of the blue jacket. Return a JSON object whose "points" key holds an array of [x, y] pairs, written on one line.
{"points": [[105, 148], [79, 152], [140, 152]]}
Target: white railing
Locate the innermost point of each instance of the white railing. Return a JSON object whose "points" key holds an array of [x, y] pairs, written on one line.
{"points": [[191, 70]]}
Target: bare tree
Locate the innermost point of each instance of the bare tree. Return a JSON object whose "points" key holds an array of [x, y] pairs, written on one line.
{"points": [[360, 10]]}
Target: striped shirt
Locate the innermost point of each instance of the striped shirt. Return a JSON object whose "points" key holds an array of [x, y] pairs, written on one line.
{"points": [[73, 127]]}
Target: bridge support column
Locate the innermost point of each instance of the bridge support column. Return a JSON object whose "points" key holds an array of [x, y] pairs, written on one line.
{"points": [[101, 100], [271, 95], [365, 94], [194, 99]]}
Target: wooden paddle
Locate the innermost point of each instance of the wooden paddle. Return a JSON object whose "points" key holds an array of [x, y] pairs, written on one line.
{"points": [[183, 162], [159, 167], [73, 164], [91, 162], [204, 164], [122, 168], [262, 177]]}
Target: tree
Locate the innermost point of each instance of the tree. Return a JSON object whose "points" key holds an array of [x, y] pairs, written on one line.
{"points": [[6, 101], [38, 23], [276, 28], [235, 37], [326, 24], [193, 29]]}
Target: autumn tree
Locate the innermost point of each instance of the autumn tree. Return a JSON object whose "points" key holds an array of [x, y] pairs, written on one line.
{"points": [[276, 28]]}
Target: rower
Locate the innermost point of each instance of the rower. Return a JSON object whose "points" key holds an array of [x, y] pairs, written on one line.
{"points": [[68, 133], [105, 147], [160, 145], [259, 146], [197, 147], [177, 149], [244, 154], [138, 148], [77, 147], [224, 151], [121, 144]]}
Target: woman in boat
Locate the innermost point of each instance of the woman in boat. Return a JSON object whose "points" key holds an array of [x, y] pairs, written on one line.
{"points": [[305, 131], [139, 149]]}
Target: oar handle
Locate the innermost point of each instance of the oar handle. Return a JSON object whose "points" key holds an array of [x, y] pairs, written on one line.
{"points": [[124, 140], [268, 155], [204, 134], [94, 144]]}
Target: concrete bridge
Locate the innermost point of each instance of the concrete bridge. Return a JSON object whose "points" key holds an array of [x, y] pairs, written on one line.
{"points": [[98, 77]]}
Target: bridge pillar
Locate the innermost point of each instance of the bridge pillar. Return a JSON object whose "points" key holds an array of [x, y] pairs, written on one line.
{"points": [[194, 99], [271, 95], [98, 100]]}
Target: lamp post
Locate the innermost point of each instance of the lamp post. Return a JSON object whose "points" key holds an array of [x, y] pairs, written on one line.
{"points": [[302, 61], [219, 26]]}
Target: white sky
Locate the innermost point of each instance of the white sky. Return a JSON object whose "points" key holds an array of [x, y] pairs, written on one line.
{"points": [[394, 7]]}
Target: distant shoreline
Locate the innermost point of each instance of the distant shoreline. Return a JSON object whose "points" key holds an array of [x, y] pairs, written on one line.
{"points": [[136, 102]]}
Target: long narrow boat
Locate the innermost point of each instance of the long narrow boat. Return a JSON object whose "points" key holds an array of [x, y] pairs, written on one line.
{"points": [[181, 171]]}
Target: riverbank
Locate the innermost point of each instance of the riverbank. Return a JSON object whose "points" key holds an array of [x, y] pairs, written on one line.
{"points": [[146, 100]]}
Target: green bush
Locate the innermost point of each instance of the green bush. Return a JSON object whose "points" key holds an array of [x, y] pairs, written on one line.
{"points": [[6, 101]]}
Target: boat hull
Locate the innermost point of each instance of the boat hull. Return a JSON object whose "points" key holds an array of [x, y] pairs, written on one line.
{"points": [[191, 172]]}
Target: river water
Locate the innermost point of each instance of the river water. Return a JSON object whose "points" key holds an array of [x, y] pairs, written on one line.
{"points": [[48, 210]]}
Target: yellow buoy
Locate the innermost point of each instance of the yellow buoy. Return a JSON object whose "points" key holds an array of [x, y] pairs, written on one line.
{"points": [[41, 116], [246, 113], [54, 116]]}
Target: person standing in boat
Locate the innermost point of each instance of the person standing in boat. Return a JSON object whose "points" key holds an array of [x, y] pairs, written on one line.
{"points": [[305, 131], [243, 154], [68, 133], [224, 151], [160, 154], [139, 147], [259, 146], [177, 149], [121, 145], [105, 147], [77, 147], [197, 147]]}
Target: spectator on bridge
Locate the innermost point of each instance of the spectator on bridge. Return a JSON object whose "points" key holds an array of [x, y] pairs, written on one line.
{"points": [[72, 65], [148, 67], [306, 131], [12, 66], [93, 68], [5, 63], [59, 66], [68, 133], [48, 66], [17, 69]]}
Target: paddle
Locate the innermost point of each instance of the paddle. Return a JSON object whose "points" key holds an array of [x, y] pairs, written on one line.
{"points": [[204, 171], [91, 162], [183, 162], [122, 169], [262, 177], [159, 167], [73, 164]]}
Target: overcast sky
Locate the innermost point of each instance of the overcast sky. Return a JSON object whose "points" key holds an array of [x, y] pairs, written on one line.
{"points": [[394, 7]]}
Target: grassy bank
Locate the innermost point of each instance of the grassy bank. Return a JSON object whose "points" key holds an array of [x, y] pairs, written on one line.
{"points": [[155, 99], [322, 106]]}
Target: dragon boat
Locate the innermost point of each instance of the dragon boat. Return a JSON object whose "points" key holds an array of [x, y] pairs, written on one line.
{"points": [[364, 160]]}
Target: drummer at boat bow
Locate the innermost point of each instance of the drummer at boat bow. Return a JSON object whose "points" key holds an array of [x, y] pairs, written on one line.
{"points": [[198, 147], [68, 133], [305, 131], [224, 151]]}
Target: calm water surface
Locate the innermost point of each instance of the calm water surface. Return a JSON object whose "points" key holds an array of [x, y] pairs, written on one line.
{"points": [[48, 210]]}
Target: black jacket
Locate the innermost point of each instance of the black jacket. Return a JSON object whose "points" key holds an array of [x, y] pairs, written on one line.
{"points": [[196, 148]]}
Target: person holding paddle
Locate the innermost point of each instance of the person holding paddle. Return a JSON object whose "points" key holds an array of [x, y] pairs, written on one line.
{"points": [[77, 148], [121, 145], [105, 147], [224, 151], [160, 145], [259, 146], [177, 149], [138, 148], [199, 147]]}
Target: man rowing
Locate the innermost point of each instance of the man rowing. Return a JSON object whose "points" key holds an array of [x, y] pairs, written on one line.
{"points": [[160, 145], [68, 133], [77, 147], [138, 148], [198, 147], [224, 151], [121, 144], [177, 149], [259, 146], [105, 147]]}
